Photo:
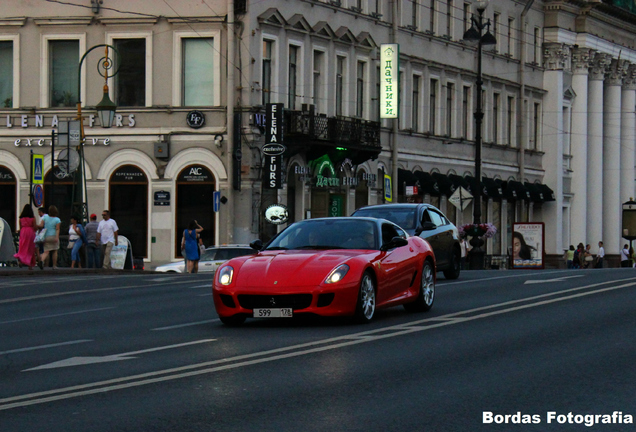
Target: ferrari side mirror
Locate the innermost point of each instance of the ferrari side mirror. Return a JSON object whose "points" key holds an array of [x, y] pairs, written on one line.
{"points": [[257, 244]]}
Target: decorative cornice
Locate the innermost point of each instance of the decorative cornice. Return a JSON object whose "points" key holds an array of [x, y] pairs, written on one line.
{"points": [[12, 21], [556, 56], [581, 59], [599, 65], [145, 20], [616, 72], [63, 21]]}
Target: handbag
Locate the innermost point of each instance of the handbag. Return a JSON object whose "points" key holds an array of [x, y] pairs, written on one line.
{"points": [[39, 237], [589, 258], [71, 243]]}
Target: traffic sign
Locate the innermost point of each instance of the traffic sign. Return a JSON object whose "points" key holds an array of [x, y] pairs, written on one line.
{"points": [[460, 198], [37, 175], [388, 188], [38, 195], [216, 199]]}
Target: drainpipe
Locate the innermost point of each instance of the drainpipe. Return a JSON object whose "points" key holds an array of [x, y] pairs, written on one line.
{"points": [[229, 219], [522, 127], [394, 137]]}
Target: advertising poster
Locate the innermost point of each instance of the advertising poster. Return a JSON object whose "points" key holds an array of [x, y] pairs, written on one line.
{"points": [[118, 254], [528, 245]]}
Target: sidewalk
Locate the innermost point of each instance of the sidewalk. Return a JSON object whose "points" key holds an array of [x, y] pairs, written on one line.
{"points": [[48, 271]]}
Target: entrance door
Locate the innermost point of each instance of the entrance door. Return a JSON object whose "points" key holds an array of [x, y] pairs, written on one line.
{"points": [[195, 190], [58, 191], [129, 206], [8, 197]]}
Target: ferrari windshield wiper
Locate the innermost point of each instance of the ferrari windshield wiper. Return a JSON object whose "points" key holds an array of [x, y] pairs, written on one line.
{"points": [[277, 248], [321, 247]]}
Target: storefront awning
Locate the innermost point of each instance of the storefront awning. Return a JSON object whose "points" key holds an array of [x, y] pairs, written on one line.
{"points": [[428, 184], [405, 178], [446, 185], [514, 190], [548, 194], [536, 194], [489, 187]]}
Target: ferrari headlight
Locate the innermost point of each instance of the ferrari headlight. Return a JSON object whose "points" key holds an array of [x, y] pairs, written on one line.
{"points": [[225, 275], [337, 274]]}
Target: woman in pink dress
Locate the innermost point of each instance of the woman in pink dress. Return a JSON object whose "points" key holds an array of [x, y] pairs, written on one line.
{"points": [[26, 254]]}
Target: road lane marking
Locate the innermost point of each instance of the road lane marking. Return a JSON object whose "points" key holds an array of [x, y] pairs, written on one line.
{"points": [[208, 285], [56, 315], [284, 352], [559, 279], [45, 346], [79, 361], [512, 275], [184, 325]]}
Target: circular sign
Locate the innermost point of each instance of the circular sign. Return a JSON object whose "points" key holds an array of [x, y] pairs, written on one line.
{"points": [[195, 119], [273, 149], [38, 195], [276, 214]]}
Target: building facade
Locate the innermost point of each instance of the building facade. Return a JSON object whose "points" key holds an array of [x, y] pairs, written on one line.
{"points": [[195, 79]]}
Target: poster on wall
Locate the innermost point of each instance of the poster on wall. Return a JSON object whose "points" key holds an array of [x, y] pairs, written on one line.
{"points": [[528, 245]]}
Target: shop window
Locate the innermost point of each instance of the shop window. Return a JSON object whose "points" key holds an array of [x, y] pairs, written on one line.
{"points": [[6, 74], [63, 61], [130, 81], [129, 206], [198, 71], [195, 201], [8, 193], [58, 191]]}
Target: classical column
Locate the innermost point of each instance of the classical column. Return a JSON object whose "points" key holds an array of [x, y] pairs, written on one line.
{"points": [[612, 156], [578, 208], [594, 179], [556, 59], [628, 129]]}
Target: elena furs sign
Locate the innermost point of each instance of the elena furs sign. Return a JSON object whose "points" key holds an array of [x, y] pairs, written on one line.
{"points": [[389, 76], [273, 149]]}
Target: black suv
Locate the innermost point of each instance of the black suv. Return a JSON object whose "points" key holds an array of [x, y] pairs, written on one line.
{"points": [[427, 222]]}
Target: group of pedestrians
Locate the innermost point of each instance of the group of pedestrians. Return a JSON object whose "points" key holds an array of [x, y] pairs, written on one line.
{"points": [[582, 257], [41, 240]]}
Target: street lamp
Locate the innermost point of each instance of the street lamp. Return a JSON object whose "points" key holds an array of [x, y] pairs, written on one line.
{"points": [[106, 113], [475, 35]]}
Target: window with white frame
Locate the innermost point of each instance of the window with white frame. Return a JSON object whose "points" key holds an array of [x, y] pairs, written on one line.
{"points": [[510, 121], [450, 101], [63, 61], [414, 14], [415, 108], [266, 78], [495, 30], [510, 49], [536, 126], [449, 18], [465, 111], [432, 106], [6, 74], [495, 117], [466, 17], [340, 74], [536, 58], [360, 89], [130, 81], [293, 77], [376, 99], [318, 86], [198, 70]]}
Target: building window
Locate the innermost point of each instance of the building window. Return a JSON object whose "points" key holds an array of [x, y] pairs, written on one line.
{"points": [[510, 40], [6, 74], [465, 113], [64, 58], [198, 72], [510, 121], [495, 30], [432, 17], [414, 15], [450, 90], [130, 81], [495, 118], [340, 71], [537, 126], [360, 90], [537, 46], [378, 10], [318, 87], [467, 22], [293, 77], [415, 109], [449, 18], [266, 79], [432, 106]]}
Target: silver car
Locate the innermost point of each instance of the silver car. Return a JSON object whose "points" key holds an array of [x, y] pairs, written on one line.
{"points": [[212, 258]]}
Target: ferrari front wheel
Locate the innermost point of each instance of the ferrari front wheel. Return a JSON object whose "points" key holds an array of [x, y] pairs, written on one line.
{"points": [[365, 309], [426, 296]]}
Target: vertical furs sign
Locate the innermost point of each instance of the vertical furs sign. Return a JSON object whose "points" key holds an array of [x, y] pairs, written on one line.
{"points": [[273, 149]]}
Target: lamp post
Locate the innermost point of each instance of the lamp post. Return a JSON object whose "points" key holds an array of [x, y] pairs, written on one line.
{"points": [[106, 113], [475, 35]]}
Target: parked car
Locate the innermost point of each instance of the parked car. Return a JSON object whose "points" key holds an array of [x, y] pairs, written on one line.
{"points": [[339, 266], [429, 223], [212, 258]]}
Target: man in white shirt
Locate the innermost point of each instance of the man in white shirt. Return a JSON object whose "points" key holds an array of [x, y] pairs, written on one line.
{"points": [[600, 255], [107, 233]]}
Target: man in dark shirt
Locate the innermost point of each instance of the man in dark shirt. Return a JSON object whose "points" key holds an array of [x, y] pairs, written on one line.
{"points": [[93, 249]]}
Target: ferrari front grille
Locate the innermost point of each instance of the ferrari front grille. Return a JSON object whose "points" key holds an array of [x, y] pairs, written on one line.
{"points": [[294, 301]]}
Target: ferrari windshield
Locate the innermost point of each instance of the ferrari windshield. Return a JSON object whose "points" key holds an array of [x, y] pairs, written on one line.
{"points": [[327, 234]]}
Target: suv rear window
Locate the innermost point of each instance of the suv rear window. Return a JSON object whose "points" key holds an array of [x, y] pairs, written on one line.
{"points": [[405, 218]]}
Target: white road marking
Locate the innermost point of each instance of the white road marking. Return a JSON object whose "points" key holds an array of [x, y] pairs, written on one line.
{"points": [[184, 325], [297, 350], [45, 346], [55, 316], [208, 285], [78, 361], [560, 279]]}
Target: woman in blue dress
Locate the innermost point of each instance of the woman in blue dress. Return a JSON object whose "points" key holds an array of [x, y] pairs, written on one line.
{"points": [[190, 244]]}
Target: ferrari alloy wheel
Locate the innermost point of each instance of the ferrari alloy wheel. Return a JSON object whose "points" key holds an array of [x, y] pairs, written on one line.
{"points": [[426, 295], [455, 265], [366, 299], [234, 320]]}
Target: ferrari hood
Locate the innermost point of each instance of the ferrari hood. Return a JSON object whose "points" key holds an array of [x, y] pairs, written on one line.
{"points": [[290, 268]]}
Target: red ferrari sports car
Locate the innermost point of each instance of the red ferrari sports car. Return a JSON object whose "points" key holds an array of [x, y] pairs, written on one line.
{"points": [[331, 266]]}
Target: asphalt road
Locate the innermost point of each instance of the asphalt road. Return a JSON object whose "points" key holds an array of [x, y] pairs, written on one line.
{"points": [[146, 352]]}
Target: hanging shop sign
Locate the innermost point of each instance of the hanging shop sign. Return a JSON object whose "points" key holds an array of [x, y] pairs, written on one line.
{"points": [[6, 176], [389, 80], [195, 119], [273, 149], [162, 198], [277, 214]]}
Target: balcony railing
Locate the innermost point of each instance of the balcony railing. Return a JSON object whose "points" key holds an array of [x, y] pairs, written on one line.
{"points": [[340, 131]]}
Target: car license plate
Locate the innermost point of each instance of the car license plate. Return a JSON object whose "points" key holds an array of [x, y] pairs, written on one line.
{"points": [[273, 313]]}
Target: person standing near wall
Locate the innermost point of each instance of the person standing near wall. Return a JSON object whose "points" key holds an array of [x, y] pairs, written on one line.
{"points": [[52, 238], [107, 234], [600, 255], [93, 248]]}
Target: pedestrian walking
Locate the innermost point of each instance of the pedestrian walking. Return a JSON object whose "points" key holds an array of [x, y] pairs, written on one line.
{"points": [[39, 246], [93, 248], [600, 255], [463, 253], [569, 257], [107, 234], [190, 244], [26, 251], [625, 256], [76, 238], [51, 223]]}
